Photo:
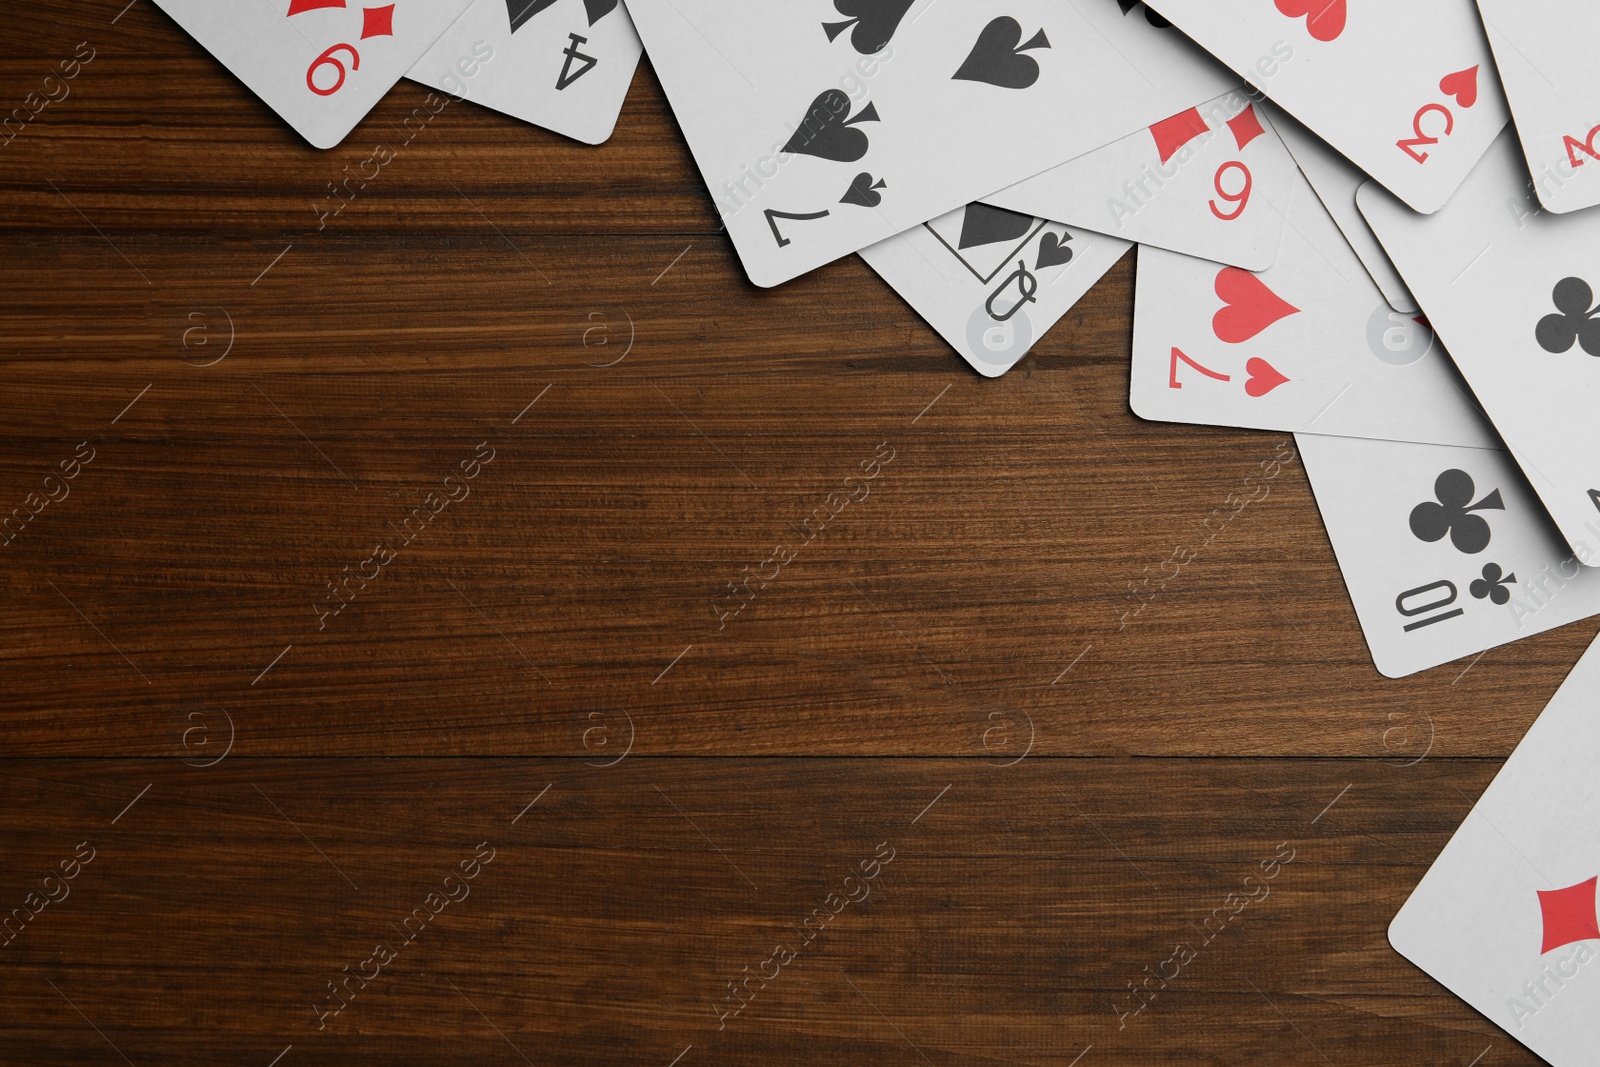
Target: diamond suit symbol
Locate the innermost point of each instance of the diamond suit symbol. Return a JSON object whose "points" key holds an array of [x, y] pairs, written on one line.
{"points": [[377, 21], [1569, 915]]}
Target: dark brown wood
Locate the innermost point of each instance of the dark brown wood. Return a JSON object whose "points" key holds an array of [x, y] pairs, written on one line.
{"points": [[1018, 905], [268, 395]]}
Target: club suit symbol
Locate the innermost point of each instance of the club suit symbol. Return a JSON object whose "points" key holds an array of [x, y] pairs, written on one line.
{"points": [[1573, 320], [874, 20], [996, 57], [826, 132], [1451, 513], [1492, 586]]}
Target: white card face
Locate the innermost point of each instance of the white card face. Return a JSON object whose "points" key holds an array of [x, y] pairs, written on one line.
{"points": [[1307, 345], [320, 64], [1545, 52], [562, 64], [992, 281], [1336, 180], [1443, 549], [1502, 283], [1505, 917], [820, 129], [1406, 91], [1212, 181]]}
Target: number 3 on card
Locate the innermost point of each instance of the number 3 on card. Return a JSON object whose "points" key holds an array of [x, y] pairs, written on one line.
{"points": [[1461, 86], [1409, 145]]}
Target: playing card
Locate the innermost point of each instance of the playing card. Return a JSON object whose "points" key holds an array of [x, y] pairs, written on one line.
{"points": [[1545, 52], [1509, 290], [320, 64], [1444, 550], [1406, 92], [1211, 181], [1336, 180], [562, 64], [992, 281], [1309, 344], [821, 129], [1506, 916]]}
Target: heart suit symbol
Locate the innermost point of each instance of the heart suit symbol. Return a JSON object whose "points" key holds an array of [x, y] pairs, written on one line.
{"points": [[1264, 377], [1248, 306], [1324, 18], [1463, 85]]}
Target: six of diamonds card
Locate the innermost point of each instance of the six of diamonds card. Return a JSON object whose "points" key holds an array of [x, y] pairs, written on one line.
{"points": [[320, 64]]}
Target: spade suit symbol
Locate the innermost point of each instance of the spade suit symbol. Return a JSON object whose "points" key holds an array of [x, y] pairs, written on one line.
{"points": [[996, 57], [874, 20], [520, 11], [864, 191], [1053, 251], [826, 133], [523, 10], [984, 224]]}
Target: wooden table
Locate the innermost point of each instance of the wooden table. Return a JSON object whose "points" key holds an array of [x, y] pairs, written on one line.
{"points": [[968, 778]]}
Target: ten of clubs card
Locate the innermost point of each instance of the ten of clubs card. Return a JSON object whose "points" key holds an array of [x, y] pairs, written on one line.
{"points": [[1444, 550]]}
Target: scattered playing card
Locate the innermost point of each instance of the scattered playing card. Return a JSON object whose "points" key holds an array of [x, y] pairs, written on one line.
{"points": [[1309, 345], [321, 64], [1510, 290], [1444, 550], [1212, 181], [992, 281], [562, 64], [823, 128], [1406, 91], [1545, 52], [1336, 180], [1506, 916]]}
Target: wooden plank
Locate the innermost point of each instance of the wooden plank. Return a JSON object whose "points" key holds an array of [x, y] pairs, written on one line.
{"points": [[1021, 524], [1017, 907]]}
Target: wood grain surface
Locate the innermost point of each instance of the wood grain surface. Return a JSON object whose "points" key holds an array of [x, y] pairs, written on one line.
{"points": [[270, 395]]}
